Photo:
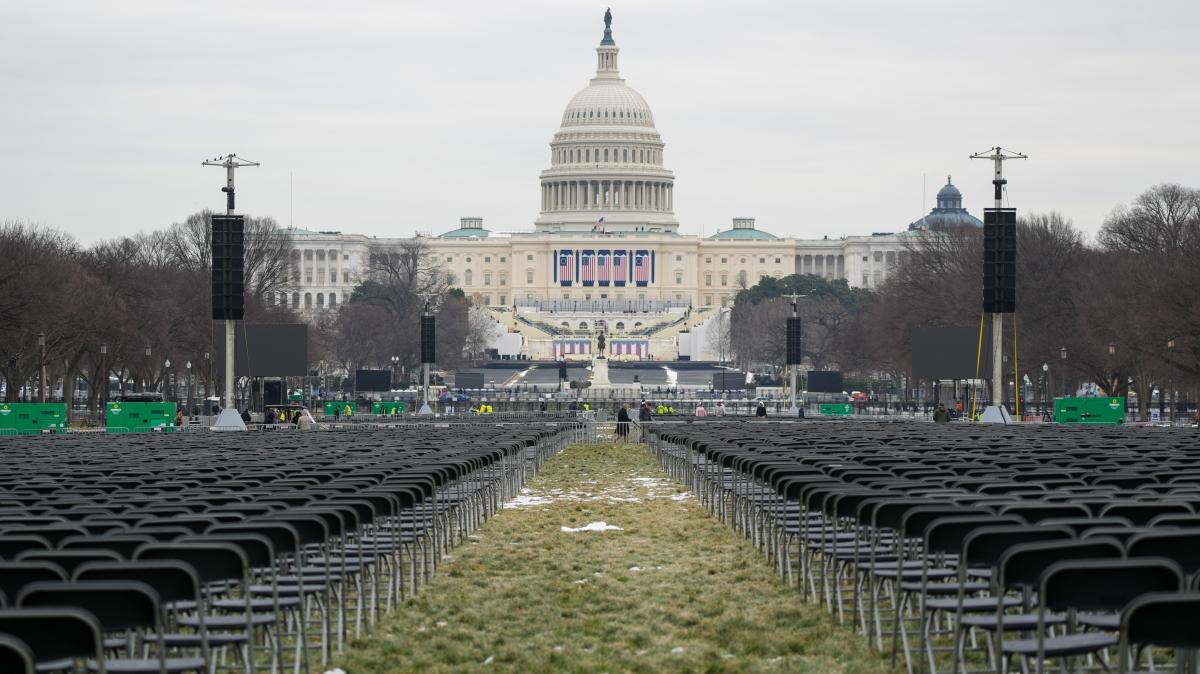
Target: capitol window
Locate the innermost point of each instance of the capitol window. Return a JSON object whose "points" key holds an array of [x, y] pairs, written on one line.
{"points": [[678, 278], [529, 258], [468, 260], [708, 279], [529, 276], [777, 260], [487, 278], [467, 277], [708, 260], [503, 259], [679, 258], [724, 260], [762, 260], [503, 282], [487, 258], [724, 279]]}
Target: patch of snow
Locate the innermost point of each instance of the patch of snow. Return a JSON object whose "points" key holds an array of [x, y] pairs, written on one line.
{"points": [[592, 526], [681, 497], [581, 581], [490, 660], [635, 569], [336, 670], [441, 623], [677, 649]]}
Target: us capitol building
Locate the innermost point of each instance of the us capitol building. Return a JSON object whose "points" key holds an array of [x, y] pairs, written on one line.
{"points": [[605, 251]]}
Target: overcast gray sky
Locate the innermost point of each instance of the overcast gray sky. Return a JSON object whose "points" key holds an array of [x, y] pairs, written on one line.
{"points": [[818, 118]]}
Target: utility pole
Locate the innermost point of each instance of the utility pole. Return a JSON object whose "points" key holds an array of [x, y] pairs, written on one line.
{"points": [[230, 162], [998, 156], [794, 353]]}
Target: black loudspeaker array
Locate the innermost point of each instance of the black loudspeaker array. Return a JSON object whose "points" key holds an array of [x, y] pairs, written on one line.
{"points": [[428, 335], [795, 353], [228, 264], [562, 370], [999, 260]]}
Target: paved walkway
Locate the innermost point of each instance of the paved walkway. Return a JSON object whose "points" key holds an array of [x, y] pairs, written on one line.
{"points": [[604, 565]]}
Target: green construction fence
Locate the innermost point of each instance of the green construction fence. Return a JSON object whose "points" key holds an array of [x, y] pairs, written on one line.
{"points": [[330, 406], [836, 409], [131, 417], [1089, 411], [388, 408], [32, 418]]}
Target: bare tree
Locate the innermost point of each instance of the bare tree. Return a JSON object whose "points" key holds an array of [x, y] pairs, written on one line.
{"points": [[718, 335]]}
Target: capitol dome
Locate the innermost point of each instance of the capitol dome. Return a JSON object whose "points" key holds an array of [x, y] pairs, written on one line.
{"points": [[608, 102], [948, 213], [606, 160]]}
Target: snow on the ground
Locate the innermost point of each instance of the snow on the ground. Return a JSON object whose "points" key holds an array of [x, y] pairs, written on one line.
{"points": [[633, 490], [592, 526]]}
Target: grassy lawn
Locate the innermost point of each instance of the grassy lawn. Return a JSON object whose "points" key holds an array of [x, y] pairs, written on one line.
{"points": [[672, 591]]}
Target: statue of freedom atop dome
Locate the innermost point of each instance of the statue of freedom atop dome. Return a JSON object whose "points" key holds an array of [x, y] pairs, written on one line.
{"points": [[607, 27]]}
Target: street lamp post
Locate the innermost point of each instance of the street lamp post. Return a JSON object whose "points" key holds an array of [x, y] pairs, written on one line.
{"points": [[146, 374], [395, 362], [188, 365], [167, 386], [103, 377], [1045, 388], [1062, 360], [41, 340], [1171, 379]]}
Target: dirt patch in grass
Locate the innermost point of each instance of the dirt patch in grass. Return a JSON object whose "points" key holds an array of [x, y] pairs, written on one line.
{"points": [[672, 590]]}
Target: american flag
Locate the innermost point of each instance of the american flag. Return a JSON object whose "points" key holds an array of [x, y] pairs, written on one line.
{"points": [[587, 273], [620, 268], [602, 267], [599, 226], [641, 269], [566, 267]]}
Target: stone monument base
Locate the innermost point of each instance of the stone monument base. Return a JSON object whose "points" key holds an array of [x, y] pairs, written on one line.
{"points": [[600, 373]]}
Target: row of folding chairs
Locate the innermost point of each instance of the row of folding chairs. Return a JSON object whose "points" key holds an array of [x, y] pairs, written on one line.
{"points": [[877, 523], [248, 552]]}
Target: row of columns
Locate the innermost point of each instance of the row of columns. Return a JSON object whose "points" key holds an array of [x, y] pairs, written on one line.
{"points": [[628, 195], [827, 266]]}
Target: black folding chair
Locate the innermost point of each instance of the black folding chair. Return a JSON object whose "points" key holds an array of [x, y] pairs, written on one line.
{"points": [[15, 656], [123, 608], [1166, 620], [1089, 585], [58, 638]]}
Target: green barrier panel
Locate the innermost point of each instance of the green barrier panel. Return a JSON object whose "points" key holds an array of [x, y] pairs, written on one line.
{"points": [[837, 409], [329, 407], [32, 418], [124, 417], [1089, 411], [389, 408]]}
